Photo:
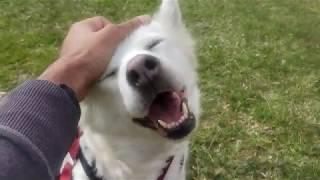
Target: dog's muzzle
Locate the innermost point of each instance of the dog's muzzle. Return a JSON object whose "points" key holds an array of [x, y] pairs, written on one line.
{"points": [[168, 110]]}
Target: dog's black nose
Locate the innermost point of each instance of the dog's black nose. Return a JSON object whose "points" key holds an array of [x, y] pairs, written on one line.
{"points": [[142, 70]]}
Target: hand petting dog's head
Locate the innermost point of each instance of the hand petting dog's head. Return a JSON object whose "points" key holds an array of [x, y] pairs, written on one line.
{"points": [[152, 77]]}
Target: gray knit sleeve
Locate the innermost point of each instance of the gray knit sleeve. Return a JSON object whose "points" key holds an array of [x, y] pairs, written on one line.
{"points": [[40, 119]]}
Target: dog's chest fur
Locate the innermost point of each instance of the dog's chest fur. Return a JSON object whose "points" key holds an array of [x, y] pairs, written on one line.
{"points": [[132, 158]]}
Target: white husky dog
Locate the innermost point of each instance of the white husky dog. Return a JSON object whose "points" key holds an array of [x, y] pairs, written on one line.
{"points": [[136, 121]]}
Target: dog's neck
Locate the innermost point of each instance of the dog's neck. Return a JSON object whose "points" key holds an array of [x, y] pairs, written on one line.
{"points": [[125, 151], [129, 157]]}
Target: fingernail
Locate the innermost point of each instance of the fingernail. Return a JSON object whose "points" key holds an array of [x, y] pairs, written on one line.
{"points": [[145, 19]]}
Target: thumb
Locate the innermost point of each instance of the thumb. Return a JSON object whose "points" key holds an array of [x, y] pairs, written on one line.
{"points": [[124, 29]]}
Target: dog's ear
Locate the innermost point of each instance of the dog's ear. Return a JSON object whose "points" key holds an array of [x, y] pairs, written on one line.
{"points": [[169, 14]]}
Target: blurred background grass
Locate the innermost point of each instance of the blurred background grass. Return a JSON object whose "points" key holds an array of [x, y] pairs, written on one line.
{"points": [[259, 75]]}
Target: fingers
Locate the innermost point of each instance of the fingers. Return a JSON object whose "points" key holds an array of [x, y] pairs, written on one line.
{"points": [[127, 27], [98, 23], [94, 24], [132, 24]]}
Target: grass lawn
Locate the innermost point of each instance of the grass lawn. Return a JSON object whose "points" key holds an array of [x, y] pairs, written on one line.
{"points": [[259, 75]]}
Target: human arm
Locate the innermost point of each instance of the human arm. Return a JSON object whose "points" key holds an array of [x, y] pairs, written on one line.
{"points": [[38, 119]]}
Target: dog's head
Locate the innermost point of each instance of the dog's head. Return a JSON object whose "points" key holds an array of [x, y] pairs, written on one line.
{"points": [[153, 74]]}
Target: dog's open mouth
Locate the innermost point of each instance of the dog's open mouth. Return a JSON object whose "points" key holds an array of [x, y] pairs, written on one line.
{"points": [[169, 114]]}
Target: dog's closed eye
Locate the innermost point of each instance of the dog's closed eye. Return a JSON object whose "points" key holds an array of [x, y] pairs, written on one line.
{"points": [[153, 44], [109, 75]]}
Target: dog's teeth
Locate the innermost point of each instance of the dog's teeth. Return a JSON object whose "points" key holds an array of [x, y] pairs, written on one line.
{"points": [[185, 109], [163, 124], [172, 125], [184, 117], [181, 120]]}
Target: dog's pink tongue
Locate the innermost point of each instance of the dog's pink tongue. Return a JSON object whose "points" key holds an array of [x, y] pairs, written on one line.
{"points": [[166, 107]]}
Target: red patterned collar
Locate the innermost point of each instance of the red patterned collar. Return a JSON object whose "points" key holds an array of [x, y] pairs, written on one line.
{"points": [[75, 154]]}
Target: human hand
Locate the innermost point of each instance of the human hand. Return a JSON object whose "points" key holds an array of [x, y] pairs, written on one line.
{"points": [[86, 52]]}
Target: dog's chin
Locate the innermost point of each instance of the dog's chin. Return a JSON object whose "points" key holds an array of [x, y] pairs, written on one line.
{"points": [[169, 115]]}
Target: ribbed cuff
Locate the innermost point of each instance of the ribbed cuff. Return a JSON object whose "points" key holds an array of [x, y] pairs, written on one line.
{"points": [[46, 115]]}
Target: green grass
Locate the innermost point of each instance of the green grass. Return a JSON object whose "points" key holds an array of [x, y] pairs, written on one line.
{"points": [[259, 75]]}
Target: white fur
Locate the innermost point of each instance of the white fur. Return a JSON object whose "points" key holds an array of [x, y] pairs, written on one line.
{"points": [[122, 149]]}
